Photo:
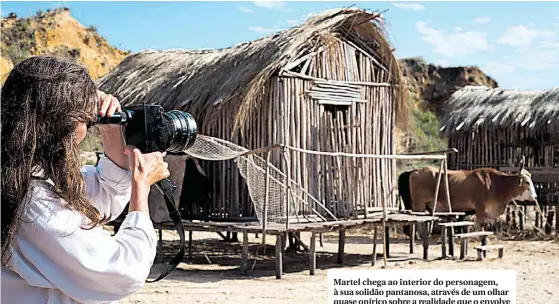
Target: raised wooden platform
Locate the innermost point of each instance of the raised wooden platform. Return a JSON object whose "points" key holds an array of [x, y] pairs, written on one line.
{"points": [[280, 231]]}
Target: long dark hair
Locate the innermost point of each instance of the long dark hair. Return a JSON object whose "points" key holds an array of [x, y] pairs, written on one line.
{"points": [[43, 100]]}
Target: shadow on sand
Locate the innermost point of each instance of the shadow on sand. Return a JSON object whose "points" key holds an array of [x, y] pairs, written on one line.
{"points": [[216, 260]]}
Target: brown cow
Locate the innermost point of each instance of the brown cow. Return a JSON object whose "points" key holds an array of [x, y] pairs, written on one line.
{"points": [[485, 192]]}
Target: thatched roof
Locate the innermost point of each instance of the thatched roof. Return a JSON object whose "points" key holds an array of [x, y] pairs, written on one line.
{"points": [[201, 81], [474, 106]]}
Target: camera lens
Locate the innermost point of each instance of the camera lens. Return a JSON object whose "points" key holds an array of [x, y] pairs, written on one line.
{"points": [[183, 130]]}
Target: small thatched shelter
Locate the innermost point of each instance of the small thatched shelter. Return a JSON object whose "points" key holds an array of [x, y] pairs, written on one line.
{"points": [[496, 127], [329, 84]]}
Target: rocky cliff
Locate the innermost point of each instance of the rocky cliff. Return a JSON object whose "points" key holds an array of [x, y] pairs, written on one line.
{"points": [[429, 85], [55, 32]]}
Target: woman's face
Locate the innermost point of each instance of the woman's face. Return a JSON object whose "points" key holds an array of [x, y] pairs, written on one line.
{"points": [[81, 132]]}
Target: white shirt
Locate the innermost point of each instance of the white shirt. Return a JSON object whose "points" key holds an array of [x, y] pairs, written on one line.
{"points": [[54, 261]]}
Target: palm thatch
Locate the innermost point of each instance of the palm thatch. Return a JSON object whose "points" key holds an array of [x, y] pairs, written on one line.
{"points": [[203, 81], [473, 106]]}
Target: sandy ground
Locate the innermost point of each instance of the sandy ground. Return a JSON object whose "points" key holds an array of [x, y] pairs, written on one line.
{"points": [[198, 281]]}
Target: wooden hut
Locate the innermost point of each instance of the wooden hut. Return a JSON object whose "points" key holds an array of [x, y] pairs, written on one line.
{"points": [[496, 127], [330, 84]]}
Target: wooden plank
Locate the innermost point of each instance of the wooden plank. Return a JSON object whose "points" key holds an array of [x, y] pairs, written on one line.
{"points": [[474, 234], [456, 224]]}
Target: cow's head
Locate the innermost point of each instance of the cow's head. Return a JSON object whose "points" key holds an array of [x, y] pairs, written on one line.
{"points": [[527, 191]]}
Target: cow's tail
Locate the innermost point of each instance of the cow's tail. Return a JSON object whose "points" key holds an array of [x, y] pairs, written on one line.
{"points": [[404, 188]]}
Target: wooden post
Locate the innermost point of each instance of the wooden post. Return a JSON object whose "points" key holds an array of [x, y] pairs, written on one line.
{"points": [[190, 244], [288, 184], [447, 189], [279, 261], [412, 237], [374, 246], [549, 222], [387, 243], [321, 240], [443, 241], [244, 256], [266, 200], [521, 219], [463, 246], [312, 254], [341, 246], [557, 219], [451, 241], [441, 167], [484, 243], [425, 230]]}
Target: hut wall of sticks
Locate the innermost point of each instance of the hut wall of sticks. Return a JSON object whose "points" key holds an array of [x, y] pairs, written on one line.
{"points": [[496, 127], [330, 84]]}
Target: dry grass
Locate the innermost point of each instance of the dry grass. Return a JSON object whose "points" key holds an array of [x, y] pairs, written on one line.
{"points": [[473, 106]]}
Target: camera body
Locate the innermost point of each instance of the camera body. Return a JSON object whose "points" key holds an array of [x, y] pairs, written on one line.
{"points": [[149, 128]]}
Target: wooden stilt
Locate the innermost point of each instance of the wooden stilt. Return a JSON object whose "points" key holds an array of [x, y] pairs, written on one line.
{"points": [[279, 256], [387, 241], [190, 245], [412, 237], [312, 254], [244, 256], [549, 222], [341, 246], [443, 241], [374, 246], [425, 237]]}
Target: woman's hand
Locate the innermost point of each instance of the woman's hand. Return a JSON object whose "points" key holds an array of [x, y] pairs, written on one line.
{"points": [[147, 169], [108, 105], [111, 134]]}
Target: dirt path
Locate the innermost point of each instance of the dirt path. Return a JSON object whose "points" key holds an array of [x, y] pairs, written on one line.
{"points": [[200, 282]]}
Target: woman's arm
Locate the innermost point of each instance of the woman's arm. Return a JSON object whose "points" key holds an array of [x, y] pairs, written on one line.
{"points": [[108, 186], [111, 135], [91, 266]]}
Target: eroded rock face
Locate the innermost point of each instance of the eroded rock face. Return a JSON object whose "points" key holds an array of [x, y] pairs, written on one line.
{"points": [[431, 85], [56, 32]]}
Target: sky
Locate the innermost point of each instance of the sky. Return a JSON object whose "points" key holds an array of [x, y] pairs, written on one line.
{"points": [[516, 43]]}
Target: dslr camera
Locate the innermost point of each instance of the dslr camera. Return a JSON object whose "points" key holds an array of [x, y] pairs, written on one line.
{"points": [[149, 128]]}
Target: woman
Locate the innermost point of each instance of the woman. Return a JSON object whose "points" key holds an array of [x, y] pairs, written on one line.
{"points": [[54, 249]]}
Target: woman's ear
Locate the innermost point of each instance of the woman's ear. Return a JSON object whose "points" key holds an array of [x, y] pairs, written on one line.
{"points": [[80, 132]]}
